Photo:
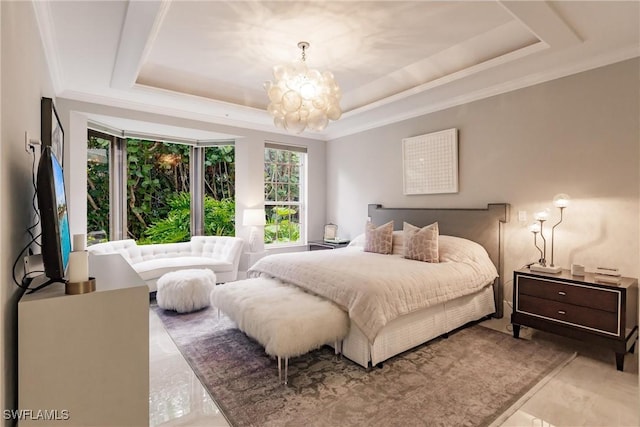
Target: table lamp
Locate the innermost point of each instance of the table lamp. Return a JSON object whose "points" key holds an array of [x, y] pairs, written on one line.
{"points": [[254, 218], [561, 201]]}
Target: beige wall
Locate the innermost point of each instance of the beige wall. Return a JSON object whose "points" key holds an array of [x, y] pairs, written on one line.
{"points": [[577, 135], [24, 80]]}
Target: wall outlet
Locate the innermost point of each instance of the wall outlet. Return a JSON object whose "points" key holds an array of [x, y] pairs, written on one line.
{"points": [[30, 144], [33, 263], [522, 216]]}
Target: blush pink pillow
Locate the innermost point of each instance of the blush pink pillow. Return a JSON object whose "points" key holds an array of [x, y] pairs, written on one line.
{"points": [[421, 244], [378, 239]]}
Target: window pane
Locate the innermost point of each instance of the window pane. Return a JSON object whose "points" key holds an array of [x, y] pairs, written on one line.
{"points": [[220, 192], [283, 224], [281, 192], [97, 189], [269, 192], [158, 199], [283, 182]]}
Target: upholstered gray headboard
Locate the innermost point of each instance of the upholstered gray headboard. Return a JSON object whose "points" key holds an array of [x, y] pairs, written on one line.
{"points": [[483, 226]]}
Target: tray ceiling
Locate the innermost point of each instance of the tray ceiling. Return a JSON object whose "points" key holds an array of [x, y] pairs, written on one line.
{"points": [[392, 59]]}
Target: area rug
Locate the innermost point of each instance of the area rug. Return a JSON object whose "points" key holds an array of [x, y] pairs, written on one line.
{"points": [[468, 379]]}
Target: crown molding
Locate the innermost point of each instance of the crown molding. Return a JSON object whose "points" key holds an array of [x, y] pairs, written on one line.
{"points": [[509, 86], [42, 10]]}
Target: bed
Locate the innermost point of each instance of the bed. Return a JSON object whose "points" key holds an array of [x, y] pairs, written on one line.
{"points": [[386, 316]]}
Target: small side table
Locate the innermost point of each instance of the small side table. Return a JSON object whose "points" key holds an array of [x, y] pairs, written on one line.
{"points": [[319, 245], [578, 307]]}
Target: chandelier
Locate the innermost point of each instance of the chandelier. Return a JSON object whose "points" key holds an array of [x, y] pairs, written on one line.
{"points": [[302, 98]]}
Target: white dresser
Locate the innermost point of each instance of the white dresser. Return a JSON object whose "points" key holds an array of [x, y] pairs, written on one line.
{"points": [[85, 358]]}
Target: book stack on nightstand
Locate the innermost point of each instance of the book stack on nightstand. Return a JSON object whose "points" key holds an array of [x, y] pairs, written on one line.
{"points": [[607, 275]]}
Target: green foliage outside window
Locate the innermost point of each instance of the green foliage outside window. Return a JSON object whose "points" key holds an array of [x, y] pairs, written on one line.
{"points": [[154, 169], [98, 186], [280, 228], [219, 220], [157, 198], [282, 195]]}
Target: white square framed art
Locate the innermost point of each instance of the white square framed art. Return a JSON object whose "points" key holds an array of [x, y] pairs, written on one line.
{"points": [[430, 163]]}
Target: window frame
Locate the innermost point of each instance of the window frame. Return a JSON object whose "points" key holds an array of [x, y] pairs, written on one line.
{"points": [[302, 202], [118, 175]]}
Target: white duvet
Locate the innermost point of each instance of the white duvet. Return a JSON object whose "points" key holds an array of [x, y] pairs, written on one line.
{"points": [[375, 288]]}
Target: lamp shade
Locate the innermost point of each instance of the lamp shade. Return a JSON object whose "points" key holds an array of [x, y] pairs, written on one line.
{"points": [[253, 217], [302, 98], [541, 215], [561, 200]]}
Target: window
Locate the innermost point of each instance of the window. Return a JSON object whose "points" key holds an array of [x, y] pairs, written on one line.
{"points": [[158, 197], [98, 184], [158, 191], [219, 190], [284, 194]]}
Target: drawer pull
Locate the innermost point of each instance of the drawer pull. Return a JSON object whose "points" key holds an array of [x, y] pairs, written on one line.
{"points": [[562, 312], [562, 293]]}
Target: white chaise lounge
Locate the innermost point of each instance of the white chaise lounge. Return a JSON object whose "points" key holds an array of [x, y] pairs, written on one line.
{"points": [[220, 254]]}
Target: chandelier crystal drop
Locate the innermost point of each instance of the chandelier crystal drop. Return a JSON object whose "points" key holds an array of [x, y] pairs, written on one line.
{"points": [[301, 98]]}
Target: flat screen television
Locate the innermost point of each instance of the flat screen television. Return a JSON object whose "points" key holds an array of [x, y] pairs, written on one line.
{"points": [[52, 204]]}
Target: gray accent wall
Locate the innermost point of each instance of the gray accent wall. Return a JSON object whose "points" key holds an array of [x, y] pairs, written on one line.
{"points": [[577, 135]]}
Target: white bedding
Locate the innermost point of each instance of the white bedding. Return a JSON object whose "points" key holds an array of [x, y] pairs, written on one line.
{"points": [[376, 289]]}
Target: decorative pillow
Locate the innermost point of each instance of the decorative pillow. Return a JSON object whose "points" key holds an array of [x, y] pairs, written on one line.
{"points": [[397, 247], [421, 244], [379, 239]]}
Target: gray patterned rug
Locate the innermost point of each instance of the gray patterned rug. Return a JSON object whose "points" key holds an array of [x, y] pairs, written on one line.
{"points": [[469, 379]]}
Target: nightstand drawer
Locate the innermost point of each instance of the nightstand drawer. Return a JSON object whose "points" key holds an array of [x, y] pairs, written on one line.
{"points": [[586, 296], [575, 315]]}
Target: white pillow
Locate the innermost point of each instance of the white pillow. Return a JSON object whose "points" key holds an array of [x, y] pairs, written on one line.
{"points": [[398, 243], [358, 241], [450, 248], [457, 249]]}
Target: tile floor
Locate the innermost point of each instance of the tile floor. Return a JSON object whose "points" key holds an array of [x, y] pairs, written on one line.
{"points": [[589, 391], [176, 397]]}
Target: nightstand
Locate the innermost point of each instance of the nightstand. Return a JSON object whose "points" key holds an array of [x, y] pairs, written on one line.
{"points": [[578, 307], [318, 245]]}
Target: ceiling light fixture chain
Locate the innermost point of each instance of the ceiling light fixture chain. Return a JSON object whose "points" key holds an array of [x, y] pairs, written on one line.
{"points": [[302, 97], [303, 46]]}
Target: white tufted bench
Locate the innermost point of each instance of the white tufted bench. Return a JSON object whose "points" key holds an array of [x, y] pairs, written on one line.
{"points": [[186, 290], [287, 321]]}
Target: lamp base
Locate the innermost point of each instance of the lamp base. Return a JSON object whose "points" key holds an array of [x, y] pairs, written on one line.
{"points": [[544, 269], [254, 240], [77, 288]]}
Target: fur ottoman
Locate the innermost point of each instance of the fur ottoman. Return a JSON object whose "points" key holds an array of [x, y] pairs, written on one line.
{"points": [[287, 321], [185, 290]]}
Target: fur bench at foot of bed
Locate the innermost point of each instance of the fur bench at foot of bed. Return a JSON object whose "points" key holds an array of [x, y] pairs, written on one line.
{"points": [[287, 321]]}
